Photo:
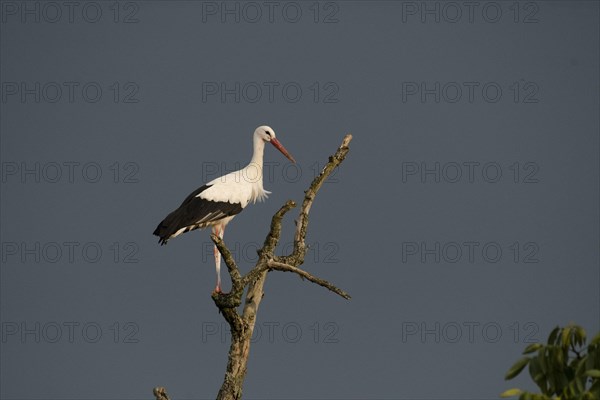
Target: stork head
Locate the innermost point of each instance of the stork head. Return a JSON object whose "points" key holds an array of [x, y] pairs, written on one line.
{"points": [[267, 134]]}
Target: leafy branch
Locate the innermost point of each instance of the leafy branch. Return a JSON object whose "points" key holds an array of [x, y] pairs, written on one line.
{"points": [[558, 374]]}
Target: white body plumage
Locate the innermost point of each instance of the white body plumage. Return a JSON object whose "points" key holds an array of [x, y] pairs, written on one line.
{"points": [[218, 201]]}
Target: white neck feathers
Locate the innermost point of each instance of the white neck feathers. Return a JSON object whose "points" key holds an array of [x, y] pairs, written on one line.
{"points": [[254, 171]]}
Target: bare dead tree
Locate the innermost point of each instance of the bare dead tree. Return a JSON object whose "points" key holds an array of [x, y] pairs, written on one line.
{"points": [[242, 325]]}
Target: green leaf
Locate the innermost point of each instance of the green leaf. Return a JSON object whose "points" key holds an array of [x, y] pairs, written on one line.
{"points": [[596, 339], [534, 367], [511, 393], [562, 381], [595, 388], [526, 396], [588, 396], [566, 335], [540, 380], [536, 373], [580, 365], [580, 382], [553, 335], [532, 347], [517, 368], [593, 373], [558, 359], [581, 335], [543, 360], [589, 363], [574, 362]]}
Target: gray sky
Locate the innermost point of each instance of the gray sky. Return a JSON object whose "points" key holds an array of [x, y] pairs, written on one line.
{"points": [[464, 222]]}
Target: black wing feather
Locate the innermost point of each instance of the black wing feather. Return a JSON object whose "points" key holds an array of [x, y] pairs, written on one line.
{"points": [[194, 213]]}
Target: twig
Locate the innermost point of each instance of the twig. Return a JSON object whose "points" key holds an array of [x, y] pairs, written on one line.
{"points": [[274, 265], [160, 393], [297, 256], [275, 232]]}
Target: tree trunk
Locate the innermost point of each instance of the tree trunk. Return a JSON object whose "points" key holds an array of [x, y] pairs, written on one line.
{"points": [[240, 343], [236, 368]]}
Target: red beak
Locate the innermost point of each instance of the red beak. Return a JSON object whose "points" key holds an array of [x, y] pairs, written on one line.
{"points": [[282, 149]]}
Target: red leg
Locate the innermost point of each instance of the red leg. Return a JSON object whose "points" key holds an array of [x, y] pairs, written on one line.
{"points": [[218, 230]]}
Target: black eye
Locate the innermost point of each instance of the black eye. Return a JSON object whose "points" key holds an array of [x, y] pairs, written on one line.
{"points": [[268, 133]]}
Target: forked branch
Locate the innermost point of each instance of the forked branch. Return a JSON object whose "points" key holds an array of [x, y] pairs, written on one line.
{"points": [[279, 266]]}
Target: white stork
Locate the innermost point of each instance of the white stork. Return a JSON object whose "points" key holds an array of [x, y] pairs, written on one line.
{"points": [[218, 201]]}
